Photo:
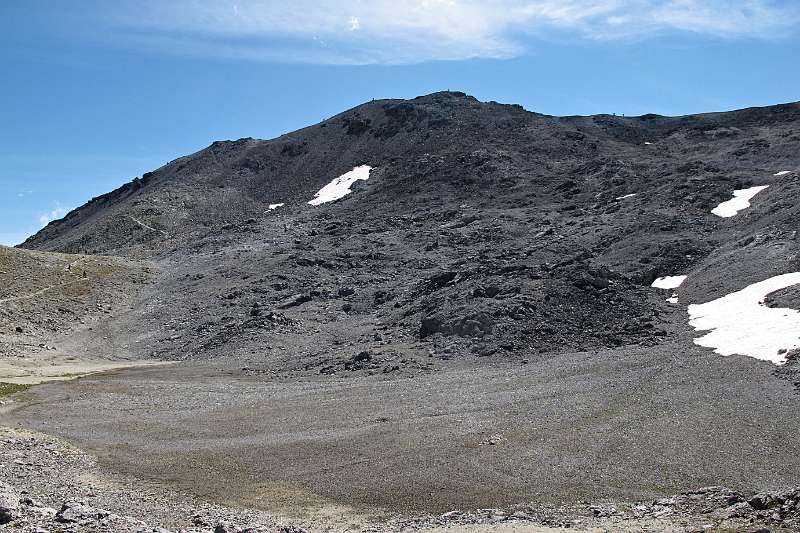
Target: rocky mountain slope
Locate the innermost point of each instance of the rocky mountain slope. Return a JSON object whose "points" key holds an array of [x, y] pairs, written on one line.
{"points": [[483, 228]]}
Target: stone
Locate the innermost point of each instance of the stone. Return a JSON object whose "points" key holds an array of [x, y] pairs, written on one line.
{"points": [[292, 529], [294, 301], [486, 292], [362, 356], [76, 511], [346, 291], [737, 510], [440, 280], [9, 503], [430, 325], [763, 501]]}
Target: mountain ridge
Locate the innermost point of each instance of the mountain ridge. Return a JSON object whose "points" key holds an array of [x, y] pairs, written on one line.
{"points": [[249, 155]]}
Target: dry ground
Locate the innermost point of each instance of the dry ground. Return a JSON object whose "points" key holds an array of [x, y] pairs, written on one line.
{"points": [[45, 298]]}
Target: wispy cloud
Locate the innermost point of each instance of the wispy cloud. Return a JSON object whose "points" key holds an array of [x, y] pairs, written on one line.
{"points": [[54, 214], [408, 31]]}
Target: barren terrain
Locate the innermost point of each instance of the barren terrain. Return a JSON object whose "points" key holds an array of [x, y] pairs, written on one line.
{"points": [[470, 337]]}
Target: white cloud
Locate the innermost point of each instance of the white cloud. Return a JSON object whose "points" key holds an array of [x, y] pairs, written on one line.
{"points": [[723, 17], [407, 31], [55, 214]]}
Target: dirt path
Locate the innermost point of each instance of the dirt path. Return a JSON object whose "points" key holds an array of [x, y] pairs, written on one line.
{"points": [[43, 369], [40, 292], [49, 287], [145, 226]]}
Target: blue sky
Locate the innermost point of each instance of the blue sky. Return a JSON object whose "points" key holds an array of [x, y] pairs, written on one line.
{"points": [[94, 93]]}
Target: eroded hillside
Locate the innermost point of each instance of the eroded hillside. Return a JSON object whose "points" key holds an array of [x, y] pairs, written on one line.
{"points": [[47, 299]]}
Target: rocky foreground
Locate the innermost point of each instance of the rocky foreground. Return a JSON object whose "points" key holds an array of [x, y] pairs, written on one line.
{"points": [[47, 485]]}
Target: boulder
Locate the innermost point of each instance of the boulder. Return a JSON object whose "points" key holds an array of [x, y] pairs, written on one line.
{"points": [[489, 291], [440, 280], [431, 325], [472, 325], [765, 500], [9, 503], [294, 301], [75, 512], [346, 291]]}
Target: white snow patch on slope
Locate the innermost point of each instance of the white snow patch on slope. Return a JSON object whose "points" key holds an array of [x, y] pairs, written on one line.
{"points": [[275, 206], [340, 187], [783, 173], [668, 282], [673, 299], [647, 143], [626, 196], [740, 323], [741, 200]]}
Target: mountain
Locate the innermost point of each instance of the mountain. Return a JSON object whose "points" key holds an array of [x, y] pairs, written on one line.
{"points": [[420, 306], [483, 229]]}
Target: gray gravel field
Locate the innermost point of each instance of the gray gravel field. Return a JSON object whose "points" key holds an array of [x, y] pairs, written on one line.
{"points": [[617, 424]]}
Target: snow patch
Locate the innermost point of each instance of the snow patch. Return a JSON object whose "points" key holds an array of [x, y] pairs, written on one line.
{"points": [[340, 187], [783, 173], [668, 282], [626, 196], [740, 323], [673, 299], [647, 143], [741, 200], [275, 206]]}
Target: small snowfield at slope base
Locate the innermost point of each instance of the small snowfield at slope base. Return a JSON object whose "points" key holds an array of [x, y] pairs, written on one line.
{"points": [[740, 323]]}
